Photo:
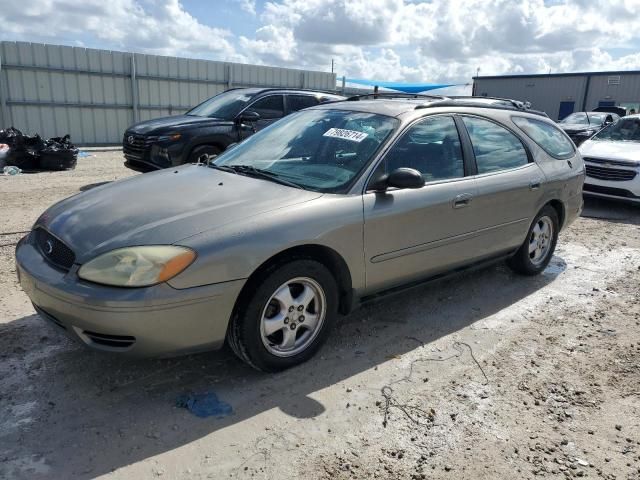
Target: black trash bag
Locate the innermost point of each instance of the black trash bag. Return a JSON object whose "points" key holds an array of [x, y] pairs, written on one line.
{"points": [[24, 150], [58, 154]]}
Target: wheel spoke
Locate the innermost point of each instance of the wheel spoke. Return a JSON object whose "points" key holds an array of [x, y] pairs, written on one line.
{"points": [[283, 296], [310, 321], [288, 339], [533, 246], [305, 297], [272, 325], [537, 230]]}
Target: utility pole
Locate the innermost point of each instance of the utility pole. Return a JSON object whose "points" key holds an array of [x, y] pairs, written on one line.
{"points": [[332, 65]]}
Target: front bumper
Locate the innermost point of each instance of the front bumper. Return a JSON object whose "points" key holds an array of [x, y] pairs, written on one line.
{"points": [[615, 188], [153, 321]]}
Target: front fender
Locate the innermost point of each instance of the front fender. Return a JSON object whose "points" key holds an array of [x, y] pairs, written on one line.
{"points": [[236, 250]]}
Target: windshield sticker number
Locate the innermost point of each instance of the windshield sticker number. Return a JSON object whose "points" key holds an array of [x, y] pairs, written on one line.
{"points": [[351, 135]]}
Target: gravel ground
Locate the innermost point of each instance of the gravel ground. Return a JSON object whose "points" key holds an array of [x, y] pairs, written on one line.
{"points": [[485, 375]]}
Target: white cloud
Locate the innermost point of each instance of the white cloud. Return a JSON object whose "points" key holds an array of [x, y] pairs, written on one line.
{"points": [[430, 41], [160, 27]]}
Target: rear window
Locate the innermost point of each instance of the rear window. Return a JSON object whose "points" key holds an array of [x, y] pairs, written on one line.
{"points": [[550, 138]]}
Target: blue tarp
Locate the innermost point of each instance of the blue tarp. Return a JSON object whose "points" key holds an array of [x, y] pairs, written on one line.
{"points": [[401, 87]]}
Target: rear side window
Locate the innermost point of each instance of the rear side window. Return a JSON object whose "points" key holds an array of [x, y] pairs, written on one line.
{"points": [[269, 107], [298, 102], [548, 136], [495, 147]]}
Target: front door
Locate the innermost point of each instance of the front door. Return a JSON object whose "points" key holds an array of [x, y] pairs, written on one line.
{"points": [[414, 233], [270, 108]]}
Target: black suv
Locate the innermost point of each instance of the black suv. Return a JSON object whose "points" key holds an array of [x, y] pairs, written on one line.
{"points": [[212, 126], [581, 126]]}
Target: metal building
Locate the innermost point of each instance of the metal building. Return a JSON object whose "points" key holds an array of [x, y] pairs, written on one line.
{"points": [[94, 95], [561, 94]]}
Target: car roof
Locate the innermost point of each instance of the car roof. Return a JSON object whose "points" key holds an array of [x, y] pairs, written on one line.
{"points": [[259, 90], [396, 105]]}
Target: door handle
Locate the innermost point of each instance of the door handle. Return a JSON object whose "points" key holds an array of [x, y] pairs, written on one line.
{"points": [[462, 200], [534, 185]]}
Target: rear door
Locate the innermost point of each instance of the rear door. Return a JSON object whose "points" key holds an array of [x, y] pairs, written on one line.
{"points": [[414, 233], [509, 185], [298, 102]]}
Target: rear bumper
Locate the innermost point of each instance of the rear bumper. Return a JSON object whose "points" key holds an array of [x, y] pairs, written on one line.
{"points": [[153, 321]]}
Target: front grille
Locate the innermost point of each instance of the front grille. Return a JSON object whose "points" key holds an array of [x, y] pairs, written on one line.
{"points": [[112, 341], [617, 163], [54, 250], [613, 174], [616, 192], [134, 146]]}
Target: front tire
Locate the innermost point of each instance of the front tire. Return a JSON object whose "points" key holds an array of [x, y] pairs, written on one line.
{"points": [[286, 317], [202, 153], [535, 253]]}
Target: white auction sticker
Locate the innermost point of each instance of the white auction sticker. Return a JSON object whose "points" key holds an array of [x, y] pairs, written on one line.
{"points": [[352, 135]]}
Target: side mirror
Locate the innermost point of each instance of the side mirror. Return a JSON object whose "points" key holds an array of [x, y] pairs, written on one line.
{"points": [[399, 178], [249, 116], [608, 120]]}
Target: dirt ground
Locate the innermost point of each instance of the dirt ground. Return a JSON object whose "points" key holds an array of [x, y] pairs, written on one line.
{"points": [[486, 375]]}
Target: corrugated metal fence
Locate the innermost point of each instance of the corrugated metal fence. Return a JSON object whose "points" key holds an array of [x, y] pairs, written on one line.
{"points": [[94, 95]]}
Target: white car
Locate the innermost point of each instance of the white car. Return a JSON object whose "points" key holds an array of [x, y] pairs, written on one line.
{"points": [[612, 161]]}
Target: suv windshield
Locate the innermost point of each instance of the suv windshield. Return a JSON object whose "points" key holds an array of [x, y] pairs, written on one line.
{"points": [[576, 118], [321, 150], [624, 130], [225, 105]]}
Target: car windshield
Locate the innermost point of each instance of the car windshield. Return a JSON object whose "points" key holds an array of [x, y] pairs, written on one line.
{"points": [[225, 105], [579, 118], [624, 130], [321, 150], [598, 118]]}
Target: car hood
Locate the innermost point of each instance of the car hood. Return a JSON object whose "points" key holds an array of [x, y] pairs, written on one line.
{"points": [[612, 150], [169, 123], [162, 208]]}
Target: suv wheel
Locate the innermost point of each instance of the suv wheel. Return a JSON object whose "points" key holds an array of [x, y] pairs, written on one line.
{"points": [[535, 253], [201, 154], [287, 317]]}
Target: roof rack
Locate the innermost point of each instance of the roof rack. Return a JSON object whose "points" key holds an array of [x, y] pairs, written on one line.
{"points": [[355, 98], [483, 102]]}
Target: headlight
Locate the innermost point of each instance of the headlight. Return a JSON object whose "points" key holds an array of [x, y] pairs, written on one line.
{"points": [[173, 137], [137, 266]]}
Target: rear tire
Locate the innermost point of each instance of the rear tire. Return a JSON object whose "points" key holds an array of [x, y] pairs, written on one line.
{"points": [[202, 153], [284, 316], [535, 253]]}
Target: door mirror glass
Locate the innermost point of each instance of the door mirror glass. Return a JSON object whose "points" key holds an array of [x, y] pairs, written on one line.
{"points": [[249, 116]]}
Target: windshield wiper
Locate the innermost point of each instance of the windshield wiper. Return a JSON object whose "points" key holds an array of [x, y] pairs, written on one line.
{"points": [[252, 171]]}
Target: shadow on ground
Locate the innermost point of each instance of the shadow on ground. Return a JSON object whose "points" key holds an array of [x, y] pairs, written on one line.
{"points": [[83, 414], [612, 210]]}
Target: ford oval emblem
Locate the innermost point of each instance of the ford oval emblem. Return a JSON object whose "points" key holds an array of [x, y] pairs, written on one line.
{"points": [[48, 247], [130, 139]]}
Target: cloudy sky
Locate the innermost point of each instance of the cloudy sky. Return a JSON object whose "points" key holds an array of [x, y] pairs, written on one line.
{"points": [[404, 40]]}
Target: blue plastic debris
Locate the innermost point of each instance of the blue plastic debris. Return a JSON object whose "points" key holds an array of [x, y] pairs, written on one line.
{"points": [[82, 154], [204, 405]]}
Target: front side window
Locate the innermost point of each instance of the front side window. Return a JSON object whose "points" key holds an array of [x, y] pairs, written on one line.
{"points": [[298, 102], [624, 130], [269, 108], [548, 136], [579, 118], [495, 147], [321, 150], [431, 146]]}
